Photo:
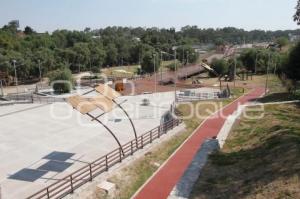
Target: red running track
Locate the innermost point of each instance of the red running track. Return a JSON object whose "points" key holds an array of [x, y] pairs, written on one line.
{"points": [[163, 181]]}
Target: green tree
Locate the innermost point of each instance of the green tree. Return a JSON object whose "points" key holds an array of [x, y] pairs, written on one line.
{"points": [[297, 14], [148, 61], [112, 53], [282, 41], [220, 66], [250, 58], [82, 56], [98, 56], [293, 66], [186, 54], [28, 30]]}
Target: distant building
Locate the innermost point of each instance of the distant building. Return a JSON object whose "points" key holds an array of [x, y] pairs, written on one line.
{"points": [[261, 45], [137, 39], [202, 48], [294, 38], [96, 37]]}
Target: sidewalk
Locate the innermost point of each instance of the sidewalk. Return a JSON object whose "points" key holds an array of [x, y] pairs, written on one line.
{"points": [[162, 182]]}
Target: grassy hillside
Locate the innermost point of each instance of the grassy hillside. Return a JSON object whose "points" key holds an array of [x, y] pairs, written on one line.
{"points": [[261, 159]]}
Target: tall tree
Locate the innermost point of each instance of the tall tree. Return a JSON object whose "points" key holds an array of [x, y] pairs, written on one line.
{"points": [[282, 41], [297, 14], [293, 67], [28, 30]]}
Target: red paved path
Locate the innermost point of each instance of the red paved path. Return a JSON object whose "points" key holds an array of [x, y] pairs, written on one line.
{"points": [[162, 183]]}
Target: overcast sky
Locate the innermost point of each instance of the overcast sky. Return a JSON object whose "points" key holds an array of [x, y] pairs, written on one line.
{"points": [[49, 15]]}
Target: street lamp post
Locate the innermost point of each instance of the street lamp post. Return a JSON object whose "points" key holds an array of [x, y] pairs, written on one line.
{"points": [[16, 78], [175, 68], [161, 61], [175, 81], [255, 66], [234, 74]]}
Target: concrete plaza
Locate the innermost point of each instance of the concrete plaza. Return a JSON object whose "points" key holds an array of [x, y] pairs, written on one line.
{"points": [[41, 143]]}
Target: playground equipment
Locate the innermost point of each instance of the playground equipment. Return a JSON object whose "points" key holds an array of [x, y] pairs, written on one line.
{"points": [[119, 86], [86, 105], [110, 94]]}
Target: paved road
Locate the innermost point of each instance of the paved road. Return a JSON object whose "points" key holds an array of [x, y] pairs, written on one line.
{"points": [[161, 184]]}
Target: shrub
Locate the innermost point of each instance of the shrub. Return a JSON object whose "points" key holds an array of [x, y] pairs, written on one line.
{"points": [[61, 80]]}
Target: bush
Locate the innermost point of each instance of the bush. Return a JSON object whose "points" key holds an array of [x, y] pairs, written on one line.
{"points": [[171, 66], [220, 66], [61, 80]]}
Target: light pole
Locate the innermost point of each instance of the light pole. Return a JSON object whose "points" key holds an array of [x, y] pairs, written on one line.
{"points": [[175, 67], [161, 60], [234, 73], [187, 57], [154, 65], [16, 78], [255, 66]]}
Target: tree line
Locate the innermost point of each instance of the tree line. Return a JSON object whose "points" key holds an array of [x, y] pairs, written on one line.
{"points": [[111, 46]]}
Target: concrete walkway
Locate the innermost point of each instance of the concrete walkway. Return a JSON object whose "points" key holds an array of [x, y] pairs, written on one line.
{"points": [[162, 182]]}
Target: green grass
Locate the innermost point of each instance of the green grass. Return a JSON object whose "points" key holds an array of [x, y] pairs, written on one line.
{"points": [[277, 91], [261, 159]]}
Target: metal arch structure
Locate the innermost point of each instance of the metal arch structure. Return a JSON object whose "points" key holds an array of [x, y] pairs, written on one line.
{"points": [[111, 94], [87, 105]]}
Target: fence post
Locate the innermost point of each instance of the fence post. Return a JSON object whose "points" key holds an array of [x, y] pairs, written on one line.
{"points": [[91, 175], [142, 140], [48, 195], [159, 128], [120, 154], [71, 180], [150, 136], [106, 163], [131, 148]]}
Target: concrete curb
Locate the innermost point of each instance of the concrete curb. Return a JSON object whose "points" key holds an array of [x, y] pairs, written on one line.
{"points": [[184, 187]]}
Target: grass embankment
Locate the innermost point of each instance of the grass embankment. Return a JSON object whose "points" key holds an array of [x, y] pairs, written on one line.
{"points": [[277, 92], [261, 158], [129, 179]]}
